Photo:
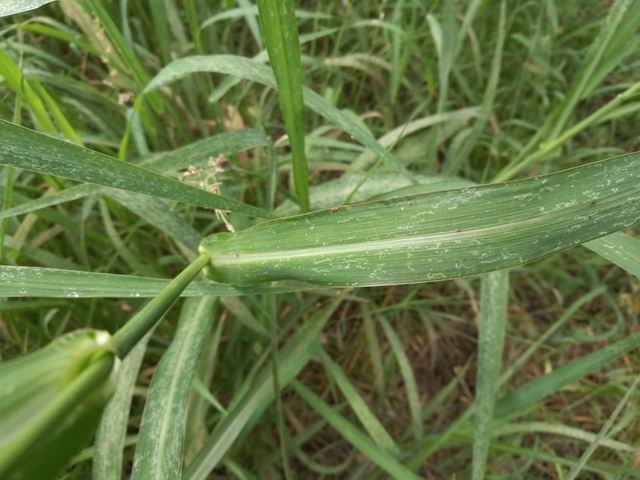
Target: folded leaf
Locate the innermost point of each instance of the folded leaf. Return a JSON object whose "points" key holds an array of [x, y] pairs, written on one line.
{"points": [[435, 236], [51, 402]]}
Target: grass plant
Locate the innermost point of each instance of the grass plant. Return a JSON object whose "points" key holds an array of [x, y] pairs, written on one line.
{"points": [[405, 233]]}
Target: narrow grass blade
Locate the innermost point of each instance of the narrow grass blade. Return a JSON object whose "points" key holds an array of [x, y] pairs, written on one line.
{"points": [[619, 248], [371, 424], [435, 236], [112, 432], [280, 34], [56, 198], [359, 440], [11, 7], [159, 450], [409, 379], [492, 325], [530, 393], [578, 467], [18, 282], [144, 320], [292, 358], [24, 148], [51, 401]]}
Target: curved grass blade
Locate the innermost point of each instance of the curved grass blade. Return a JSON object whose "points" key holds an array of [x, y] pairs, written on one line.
{"points": [[159, 450], [11, 7], [51, 401], [17, 282], [280, 34], [27, 149], [435, 236]]}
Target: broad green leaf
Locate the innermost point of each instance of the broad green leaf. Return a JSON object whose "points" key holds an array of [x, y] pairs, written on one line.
{"points": [[528, 394], [51, 401], [18, 282], [619, 248], [24, 148], [11, 7], [355, 437], [159, 450], [280, 35], [492, 324], [292, 358], [111, 435], [435, 236]]}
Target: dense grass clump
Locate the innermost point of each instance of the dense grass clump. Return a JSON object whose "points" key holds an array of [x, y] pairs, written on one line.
{"points": [[378, 298]]}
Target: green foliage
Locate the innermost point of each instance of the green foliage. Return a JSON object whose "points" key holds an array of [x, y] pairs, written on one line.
{"points": [[394, 127]]}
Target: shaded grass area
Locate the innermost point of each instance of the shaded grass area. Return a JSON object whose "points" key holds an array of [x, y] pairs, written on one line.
{"points": [[384, 64]]}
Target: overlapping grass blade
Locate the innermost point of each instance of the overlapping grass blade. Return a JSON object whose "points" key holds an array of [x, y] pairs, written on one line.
{"points": [[159, 450], [435, 236], [70, 379], [619, 248], [492, 325], [111, 435], [247, 69], [408, 377], [280, 34], [369, 421], [18, 282], [292, 358], [355, 437], [24, 148]]}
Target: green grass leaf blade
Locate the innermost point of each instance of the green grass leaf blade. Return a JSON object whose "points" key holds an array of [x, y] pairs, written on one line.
{"points": [[11, 7], [161, 438], [355, 437], [17, 282], [369, 421], [435, 236], [51, 401], [292, 358], [280, 34], [111, 435], [492, 325], [530, 393], [408, 377], [620, 249], [24, 148]]}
